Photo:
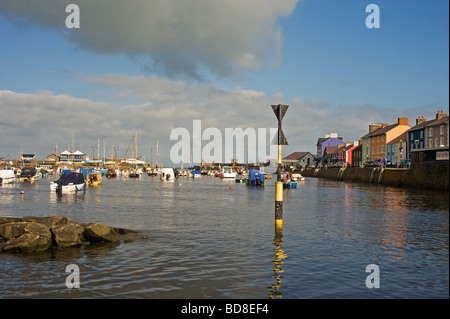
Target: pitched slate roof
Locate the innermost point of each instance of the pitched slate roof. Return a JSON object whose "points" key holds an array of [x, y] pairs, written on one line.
{"points": [[296, 156], [382, 130]]}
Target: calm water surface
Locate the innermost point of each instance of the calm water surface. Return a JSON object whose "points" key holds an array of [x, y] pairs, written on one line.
{"points": [[210, 241]]}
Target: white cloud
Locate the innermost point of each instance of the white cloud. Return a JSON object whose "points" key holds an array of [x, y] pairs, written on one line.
{"points": [[39, 121], [173, 37]]}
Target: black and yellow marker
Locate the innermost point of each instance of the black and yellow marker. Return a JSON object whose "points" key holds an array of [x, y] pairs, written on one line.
{"points": [[279, 111]]}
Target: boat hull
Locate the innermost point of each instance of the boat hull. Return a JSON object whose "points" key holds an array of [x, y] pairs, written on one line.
{"points": [[7, 177], [67, 188]]}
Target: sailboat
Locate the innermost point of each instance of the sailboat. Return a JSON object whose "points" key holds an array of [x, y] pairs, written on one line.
{"points": [[152, 171]]}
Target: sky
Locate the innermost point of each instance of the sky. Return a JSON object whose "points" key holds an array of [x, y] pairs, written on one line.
{"points": [[151, 66]]}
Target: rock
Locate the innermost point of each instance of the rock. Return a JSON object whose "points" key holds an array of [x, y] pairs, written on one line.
{"points": [[50, 222], [35, 234], [12, 230], [99, 232], [36, 237], [132, 236], [68, 235], [4, 220]]}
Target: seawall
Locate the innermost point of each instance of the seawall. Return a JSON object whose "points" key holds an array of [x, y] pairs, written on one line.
{"points": [[432, 175]]}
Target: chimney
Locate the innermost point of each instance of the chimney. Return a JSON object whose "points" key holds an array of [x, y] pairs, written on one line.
{"points": [[440, 114], [420, 119], [402, 121], [384, 124]]}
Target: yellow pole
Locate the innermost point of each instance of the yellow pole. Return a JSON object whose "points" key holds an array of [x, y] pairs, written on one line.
{"points": [[279, 195]]}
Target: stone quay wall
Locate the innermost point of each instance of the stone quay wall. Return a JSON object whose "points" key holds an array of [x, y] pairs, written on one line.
{"points": [[432, 175]]}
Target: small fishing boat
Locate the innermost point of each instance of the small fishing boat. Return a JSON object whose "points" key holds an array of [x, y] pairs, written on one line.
{"points": [[228, 172], [152, 172], [28, 175], [288, 181], [7, 176], [69, 182], [94, 179], [134, 174], [255, 178], [111, 173], [168, 174], [243, 177], [298, 177], [195, 174]]}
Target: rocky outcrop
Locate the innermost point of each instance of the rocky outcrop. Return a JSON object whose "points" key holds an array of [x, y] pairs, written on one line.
{"points": [[35, 234]]}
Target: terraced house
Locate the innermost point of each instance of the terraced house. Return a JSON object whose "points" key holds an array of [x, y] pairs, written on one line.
{"points": [[380, 137], [436, 132]]}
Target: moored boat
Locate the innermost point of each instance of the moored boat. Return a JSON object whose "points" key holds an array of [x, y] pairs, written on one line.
{"points": [[111, 173], [228, 172], [288, 181], [134, 174], [28, 175], [255, 178], [94, 179], [69, 182], [297, 177], [168, 174], [195, 174], [7, 176]]}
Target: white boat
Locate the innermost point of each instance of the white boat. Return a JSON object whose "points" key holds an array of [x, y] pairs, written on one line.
{"points": [[297, 177], [167, 174], [69, 182], [228, 172], [7, 176], [195, 174]]}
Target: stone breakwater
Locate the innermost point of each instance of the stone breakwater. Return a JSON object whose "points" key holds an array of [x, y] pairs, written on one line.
{"points": [[36, 234]]}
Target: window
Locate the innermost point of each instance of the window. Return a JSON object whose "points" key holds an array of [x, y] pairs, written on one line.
{"points": [[378, 138], [378, 149], [382, 138], [436, 142], [442, 129], [431, 131], [430, 143], [441, 142]]}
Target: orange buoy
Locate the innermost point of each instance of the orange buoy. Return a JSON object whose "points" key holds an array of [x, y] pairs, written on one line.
{"points": [[231, 187]]}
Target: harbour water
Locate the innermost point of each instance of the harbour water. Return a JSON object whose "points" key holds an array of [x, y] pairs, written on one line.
{"points": [[210, 240]]}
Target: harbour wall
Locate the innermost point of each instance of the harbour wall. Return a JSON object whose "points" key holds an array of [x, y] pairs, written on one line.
{"points": [[433, 175]]}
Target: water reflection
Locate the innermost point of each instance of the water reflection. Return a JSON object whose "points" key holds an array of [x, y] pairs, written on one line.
{"points": [[67, 197], [278, 262]]}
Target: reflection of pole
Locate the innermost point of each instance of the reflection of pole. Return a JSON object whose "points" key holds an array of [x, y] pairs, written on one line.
{"points": [[277, 263], [279, 111]]}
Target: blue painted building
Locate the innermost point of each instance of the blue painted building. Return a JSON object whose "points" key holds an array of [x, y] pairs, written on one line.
{"points": [[416, 135], [397, 150]]}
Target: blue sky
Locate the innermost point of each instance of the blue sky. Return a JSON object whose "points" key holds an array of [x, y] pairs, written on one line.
{"points": [[224, 64]]}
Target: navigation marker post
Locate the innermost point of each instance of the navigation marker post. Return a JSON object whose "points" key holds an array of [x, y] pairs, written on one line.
{"points": [[280, 111]]}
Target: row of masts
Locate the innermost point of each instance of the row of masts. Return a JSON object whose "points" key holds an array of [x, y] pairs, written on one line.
{"points": [[115, 150]]}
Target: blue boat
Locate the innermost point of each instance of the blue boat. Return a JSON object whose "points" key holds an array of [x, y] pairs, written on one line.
{"points": [[255, 178], [288, 181]]}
